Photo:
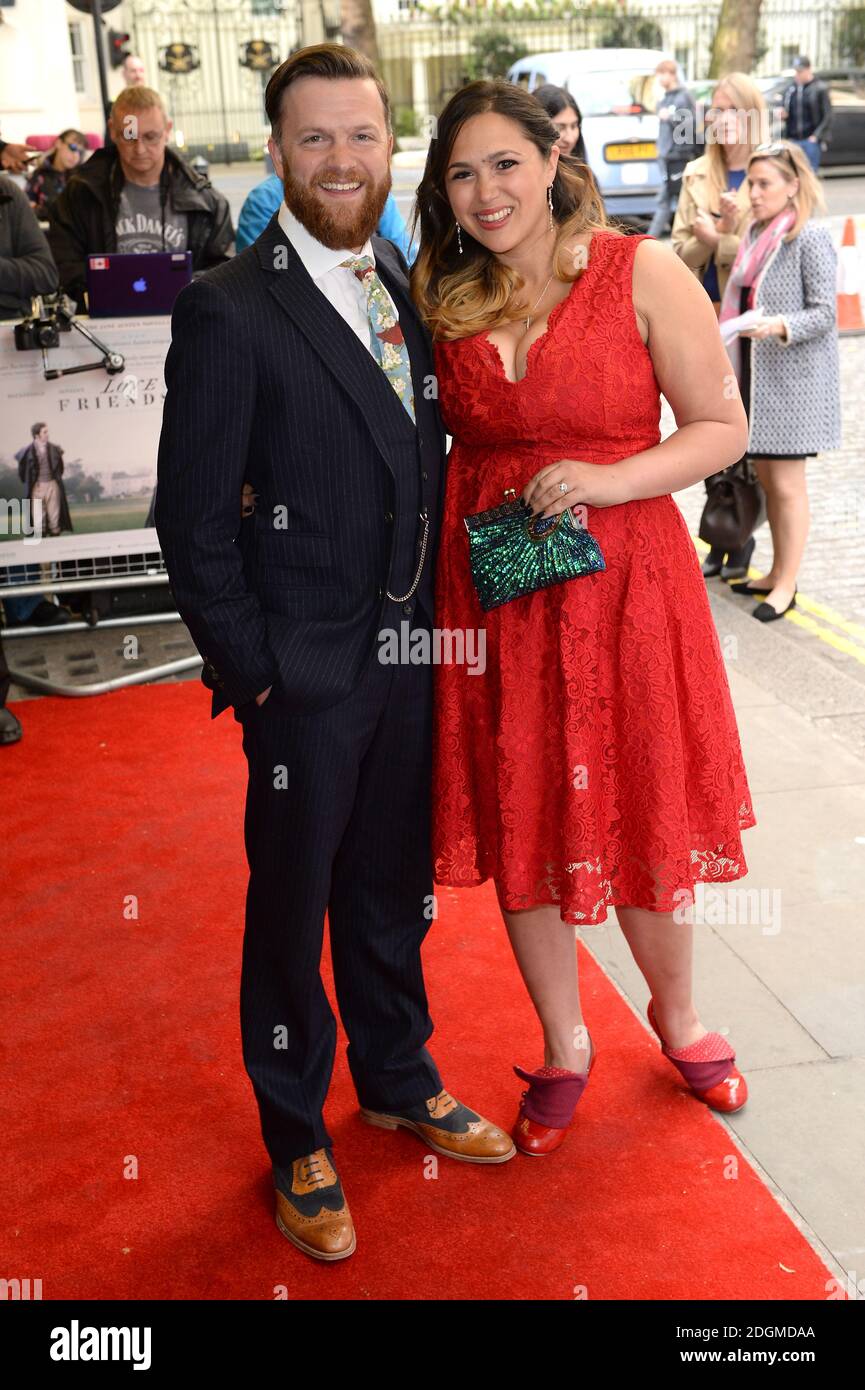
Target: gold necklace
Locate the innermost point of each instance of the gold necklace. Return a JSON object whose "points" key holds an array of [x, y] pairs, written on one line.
{"points": [[537, 302]]}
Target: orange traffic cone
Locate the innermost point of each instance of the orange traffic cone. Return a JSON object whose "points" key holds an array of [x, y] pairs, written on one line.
{"points": [[850, 318]]}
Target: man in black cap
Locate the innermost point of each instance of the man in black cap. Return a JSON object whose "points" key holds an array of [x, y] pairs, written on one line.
{"points": [[808, 111]]}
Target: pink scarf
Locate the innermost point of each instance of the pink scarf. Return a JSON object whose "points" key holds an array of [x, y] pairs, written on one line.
{"points": [[755, 250]]}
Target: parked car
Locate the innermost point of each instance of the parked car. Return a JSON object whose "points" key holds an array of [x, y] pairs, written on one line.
{"points": [[617, 93]]}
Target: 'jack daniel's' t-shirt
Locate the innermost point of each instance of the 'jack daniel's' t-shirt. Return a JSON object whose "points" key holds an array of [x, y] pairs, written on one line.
{"points": [[139, 221]]}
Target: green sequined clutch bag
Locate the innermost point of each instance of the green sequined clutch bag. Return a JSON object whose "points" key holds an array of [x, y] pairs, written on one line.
{"points": [[512, 552]]}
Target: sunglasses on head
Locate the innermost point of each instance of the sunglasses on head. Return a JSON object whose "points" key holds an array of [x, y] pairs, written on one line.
{"points": [[776, 149]]}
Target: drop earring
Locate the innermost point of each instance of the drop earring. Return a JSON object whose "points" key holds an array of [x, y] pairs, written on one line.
{"points": [[550, 201], [459, 238]]}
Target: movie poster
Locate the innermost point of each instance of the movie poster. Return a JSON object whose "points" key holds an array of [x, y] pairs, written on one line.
{"points": [[78, 453]]}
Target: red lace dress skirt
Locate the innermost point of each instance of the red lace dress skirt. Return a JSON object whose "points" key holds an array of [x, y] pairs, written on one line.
{"points": [[595, 761]]}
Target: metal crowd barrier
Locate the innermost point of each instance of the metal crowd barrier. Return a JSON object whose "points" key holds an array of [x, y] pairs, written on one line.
{"points": [[81, 575]]}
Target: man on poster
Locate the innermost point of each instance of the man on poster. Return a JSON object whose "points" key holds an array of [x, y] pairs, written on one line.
{"points": [[40, 468]]}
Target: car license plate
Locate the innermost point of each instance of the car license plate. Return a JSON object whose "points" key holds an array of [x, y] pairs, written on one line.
{"points": [[616, 154], [635, 173]]}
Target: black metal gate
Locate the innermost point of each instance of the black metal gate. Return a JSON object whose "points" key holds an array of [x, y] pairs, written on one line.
{"points": [[210, 60]]}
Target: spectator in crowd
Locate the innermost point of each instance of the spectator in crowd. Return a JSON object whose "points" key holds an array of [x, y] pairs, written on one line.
{"points": [[26, 267], [788, 372], [808, 111], [713, 212], [677, 141], [714, 207], [138, 196], [14, 159], [264, 199], [133, 71], [10, 728], [566, 116], [49, 177]]}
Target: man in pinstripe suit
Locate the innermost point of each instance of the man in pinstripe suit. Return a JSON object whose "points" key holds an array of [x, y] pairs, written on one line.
{"points": [[275, 377]]}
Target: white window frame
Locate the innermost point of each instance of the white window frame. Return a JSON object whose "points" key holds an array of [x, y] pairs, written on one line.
{"points": [[79, 57]]}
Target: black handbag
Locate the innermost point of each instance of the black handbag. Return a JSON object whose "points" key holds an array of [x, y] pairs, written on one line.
{"points": [[735, 507]]}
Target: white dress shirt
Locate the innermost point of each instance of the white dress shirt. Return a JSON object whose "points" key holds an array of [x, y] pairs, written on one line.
{"points": [[337, 283]]}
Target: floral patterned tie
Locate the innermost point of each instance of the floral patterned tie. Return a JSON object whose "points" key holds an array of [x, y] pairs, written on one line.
{"points": [[387, 336]]}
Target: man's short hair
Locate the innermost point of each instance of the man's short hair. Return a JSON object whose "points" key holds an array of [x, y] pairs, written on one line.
{"points": [[330, 60], [134, 100], [37, 428]]}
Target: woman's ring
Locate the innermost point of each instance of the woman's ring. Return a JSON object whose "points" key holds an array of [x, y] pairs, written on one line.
{"points": [[563, 487]]}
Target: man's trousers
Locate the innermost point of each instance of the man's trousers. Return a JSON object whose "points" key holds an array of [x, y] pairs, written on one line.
{"points": [[338, 820]]}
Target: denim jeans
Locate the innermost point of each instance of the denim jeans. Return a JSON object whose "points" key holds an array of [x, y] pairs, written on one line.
{"points": [[667, 199], [812, 151], [19, 608]]}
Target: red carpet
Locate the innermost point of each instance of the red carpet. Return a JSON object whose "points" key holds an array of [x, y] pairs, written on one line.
{"points": [[121, 1053]]}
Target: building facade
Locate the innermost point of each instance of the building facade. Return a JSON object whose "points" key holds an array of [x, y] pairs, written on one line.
{"points": [[210, 59]]}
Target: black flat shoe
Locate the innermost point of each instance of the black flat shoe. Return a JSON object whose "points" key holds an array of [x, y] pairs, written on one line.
{"points": [[737, 562], [765, 613], [744, 587], [713, 563]]}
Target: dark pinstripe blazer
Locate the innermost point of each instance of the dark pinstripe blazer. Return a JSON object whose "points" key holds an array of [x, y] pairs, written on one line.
{"points": [[267, 383]]}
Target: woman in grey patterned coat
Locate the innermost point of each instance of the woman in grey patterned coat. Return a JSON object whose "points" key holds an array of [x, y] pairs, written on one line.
{"points": [[789, 371]]}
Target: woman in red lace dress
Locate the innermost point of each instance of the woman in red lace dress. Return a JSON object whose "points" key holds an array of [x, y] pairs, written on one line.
{"points": [[596, 762]]}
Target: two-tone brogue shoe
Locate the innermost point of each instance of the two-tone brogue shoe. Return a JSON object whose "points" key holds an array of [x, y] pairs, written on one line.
{"points": [[311, 1209], [449, 1127]]}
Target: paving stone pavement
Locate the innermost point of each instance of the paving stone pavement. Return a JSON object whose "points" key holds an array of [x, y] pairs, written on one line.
{"points": [[833, 569]]}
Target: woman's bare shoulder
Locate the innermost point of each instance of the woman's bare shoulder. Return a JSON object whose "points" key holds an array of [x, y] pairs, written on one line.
{"points": [[659, 274], [667, 296]]}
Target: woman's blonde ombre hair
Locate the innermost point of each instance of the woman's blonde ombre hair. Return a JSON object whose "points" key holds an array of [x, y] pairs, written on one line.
{"points": [[809, 195], [460, 295]]}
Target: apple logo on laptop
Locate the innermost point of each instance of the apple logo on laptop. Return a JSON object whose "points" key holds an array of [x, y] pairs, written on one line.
{"points": [[139, 285]]}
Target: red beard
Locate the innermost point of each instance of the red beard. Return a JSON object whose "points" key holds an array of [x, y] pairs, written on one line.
{"points": [[338, 232]]}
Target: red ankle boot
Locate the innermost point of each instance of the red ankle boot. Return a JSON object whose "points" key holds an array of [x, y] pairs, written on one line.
{"points": [[709, 1067], [547, 1107]]}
